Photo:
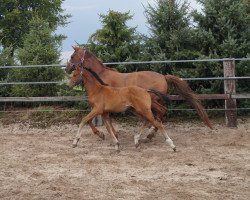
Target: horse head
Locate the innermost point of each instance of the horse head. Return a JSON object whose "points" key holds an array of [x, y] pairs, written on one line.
{"points": [[77, 77], [77, 58], [83, 57]]}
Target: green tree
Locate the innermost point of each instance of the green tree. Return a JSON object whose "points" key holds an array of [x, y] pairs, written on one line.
{"points": [[5, 60], [40, 47], [115, 41], [171, 36], [223, 27], [16, 14], [223, 31]]}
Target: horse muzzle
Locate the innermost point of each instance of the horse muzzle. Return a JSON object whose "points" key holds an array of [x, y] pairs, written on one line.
{"points": [[72, 83], [70, 67]]}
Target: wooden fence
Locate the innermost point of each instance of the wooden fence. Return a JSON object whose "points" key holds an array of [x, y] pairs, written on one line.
{"points": [[229, 95]]}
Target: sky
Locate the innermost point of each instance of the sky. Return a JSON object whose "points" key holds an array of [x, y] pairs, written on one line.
{"points": [[85, 19]]}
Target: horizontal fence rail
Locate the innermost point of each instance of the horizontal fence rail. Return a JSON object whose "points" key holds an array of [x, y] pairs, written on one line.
{"points": [[178, 61], [135, 62], [33, 83], [84, 98], [87, 110], [229, 79], [63, 82]]}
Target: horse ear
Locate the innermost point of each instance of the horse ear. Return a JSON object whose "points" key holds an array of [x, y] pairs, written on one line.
{"points": [[86, 53]]}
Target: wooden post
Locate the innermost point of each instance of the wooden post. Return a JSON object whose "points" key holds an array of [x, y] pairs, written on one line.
{"points": [[229, 88], [97, 121]]}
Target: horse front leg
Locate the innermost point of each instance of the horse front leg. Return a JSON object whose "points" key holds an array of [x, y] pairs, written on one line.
{"points": [[95, 130], [85, 120], [111, 130], [137, 136], [111, 126]]}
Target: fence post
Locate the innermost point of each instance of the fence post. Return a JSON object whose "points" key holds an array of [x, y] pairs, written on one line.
{"points": [[229, 88], [97, 121]]}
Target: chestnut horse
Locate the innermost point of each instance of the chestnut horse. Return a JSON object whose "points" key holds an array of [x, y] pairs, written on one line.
{"points": [[105, 99], [144, 79]]}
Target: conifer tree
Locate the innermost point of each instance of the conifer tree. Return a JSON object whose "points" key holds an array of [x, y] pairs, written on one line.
{"points": [[16, 14], [41, 46], [115, 41], [171, 36], [225, 25], [223, 31], [5, 60]]}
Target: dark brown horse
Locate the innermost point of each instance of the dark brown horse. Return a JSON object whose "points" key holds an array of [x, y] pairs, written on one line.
{"points": [[105, 99], [144, 79]]}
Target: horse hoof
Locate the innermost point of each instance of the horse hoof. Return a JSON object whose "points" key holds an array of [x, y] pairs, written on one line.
{"points": [[118, 150], [117, 147], [150, 136], [75, 143], [102, 136], [137, 145], [144, 140], [174, 149]]}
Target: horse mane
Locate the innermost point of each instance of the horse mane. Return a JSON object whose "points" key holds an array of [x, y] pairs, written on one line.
{"points": [[109, 68], [96, 76], [98, 60]]}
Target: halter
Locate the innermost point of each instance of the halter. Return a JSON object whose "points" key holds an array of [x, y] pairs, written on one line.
{"points": [[80, 80], [73, 65], [82, 59]]}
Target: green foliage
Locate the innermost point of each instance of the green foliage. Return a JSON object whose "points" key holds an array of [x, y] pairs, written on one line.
{"points": [[222, 31], [115, 41], [5, 57], [172, 37], [225, 25], [5, 60], [64, 90], [40, 47], [16, 14]]}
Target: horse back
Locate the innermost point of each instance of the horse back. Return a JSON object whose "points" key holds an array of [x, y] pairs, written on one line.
{"points": [[143, 79], [147, 80]]}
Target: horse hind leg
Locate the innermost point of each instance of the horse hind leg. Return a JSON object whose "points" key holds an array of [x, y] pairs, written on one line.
{"points": [[164, 133], [152, 133], [149, 116], [159, 111], [137, 136]]}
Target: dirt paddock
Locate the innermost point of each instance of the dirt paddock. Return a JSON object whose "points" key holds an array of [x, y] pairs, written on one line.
{"points": [[39, 163]]}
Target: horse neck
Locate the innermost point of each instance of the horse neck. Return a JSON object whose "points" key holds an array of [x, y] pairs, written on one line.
{"points": [[90, 83], [97, 66]]}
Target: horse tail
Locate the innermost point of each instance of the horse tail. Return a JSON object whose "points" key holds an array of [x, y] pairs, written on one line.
{"points": [[186, 92], [163, 97], [157, 105]]}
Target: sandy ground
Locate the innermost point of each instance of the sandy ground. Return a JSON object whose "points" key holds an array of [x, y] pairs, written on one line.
{"points": [[39, 163]]}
